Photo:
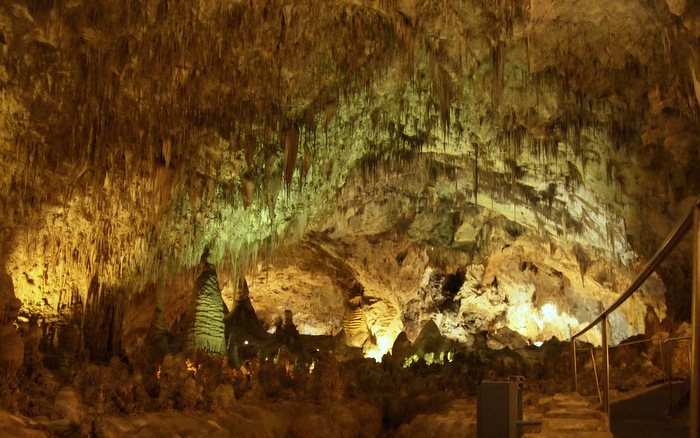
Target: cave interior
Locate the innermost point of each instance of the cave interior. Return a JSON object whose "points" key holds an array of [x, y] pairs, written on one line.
{"points": [[301, 218]]}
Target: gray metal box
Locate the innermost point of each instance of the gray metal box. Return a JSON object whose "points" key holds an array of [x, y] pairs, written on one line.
{"points": [[498, 409]]}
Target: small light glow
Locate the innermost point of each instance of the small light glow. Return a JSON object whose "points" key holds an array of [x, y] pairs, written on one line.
{"points": [[191, 367], [384, 345], [549, 315], [245, 342], [410, 360], [374, 353]]}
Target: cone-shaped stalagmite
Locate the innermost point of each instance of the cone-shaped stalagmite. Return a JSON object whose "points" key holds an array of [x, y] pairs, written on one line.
{"points": [[158, 340], [242, 322], [207, 332]]}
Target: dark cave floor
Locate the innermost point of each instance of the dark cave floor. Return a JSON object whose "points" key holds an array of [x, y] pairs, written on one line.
{"points": [[645, 412]]}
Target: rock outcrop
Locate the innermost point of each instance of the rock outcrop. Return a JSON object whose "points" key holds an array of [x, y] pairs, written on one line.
{"points": [[11, 345]]}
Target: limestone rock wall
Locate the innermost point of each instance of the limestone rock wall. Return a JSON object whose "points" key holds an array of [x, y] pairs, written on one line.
{"points": [[133, 137]]}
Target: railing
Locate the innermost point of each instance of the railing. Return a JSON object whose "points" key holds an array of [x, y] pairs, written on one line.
{"points": [[667, 368], [691, 220]]}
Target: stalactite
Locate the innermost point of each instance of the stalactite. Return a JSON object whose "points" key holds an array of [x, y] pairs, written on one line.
{"points": [[573, 179], [498, 64], [291, 151], [476, 171], [583, 261]]}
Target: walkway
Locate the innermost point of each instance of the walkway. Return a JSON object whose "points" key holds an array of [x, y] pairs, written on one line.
{"points": [[573, 416]]}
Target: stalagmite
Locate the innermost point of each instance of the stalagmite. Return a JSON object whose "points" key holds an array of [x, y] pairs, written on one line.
{"points": [[157, 339], [242, 323], [207, 332]]}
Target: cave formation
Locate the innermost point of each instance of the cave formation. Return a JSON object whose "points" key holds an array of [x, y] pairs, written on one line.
{"points": [[215, 204]]}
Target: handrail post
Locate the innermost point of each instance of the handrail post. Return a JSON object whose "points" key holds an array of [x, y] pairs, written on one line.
{"points": [[668, 374], [695, 342], [574, 382], [595, 374], [670, 379], [606, 367]]}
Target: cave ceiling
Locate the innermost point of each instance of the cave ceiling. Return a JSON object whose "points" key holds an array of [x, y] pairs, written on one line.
{"points": [[345, 149]]}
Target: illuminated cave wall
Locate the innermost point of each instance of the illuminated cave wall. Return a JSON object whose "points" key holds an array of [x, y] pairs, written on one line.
{"points": [[544, 148]]}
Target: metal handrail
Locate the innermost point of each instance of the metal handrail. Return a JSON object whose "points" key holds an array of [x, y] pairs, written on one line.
{"points": [[669, 245], [641, 341], [668, 373], [691, 219]]}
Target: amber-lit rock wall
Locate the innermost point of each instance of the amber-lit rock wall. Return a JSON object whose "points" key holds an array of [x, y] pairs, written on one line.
{"points": [[136, 137]]}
